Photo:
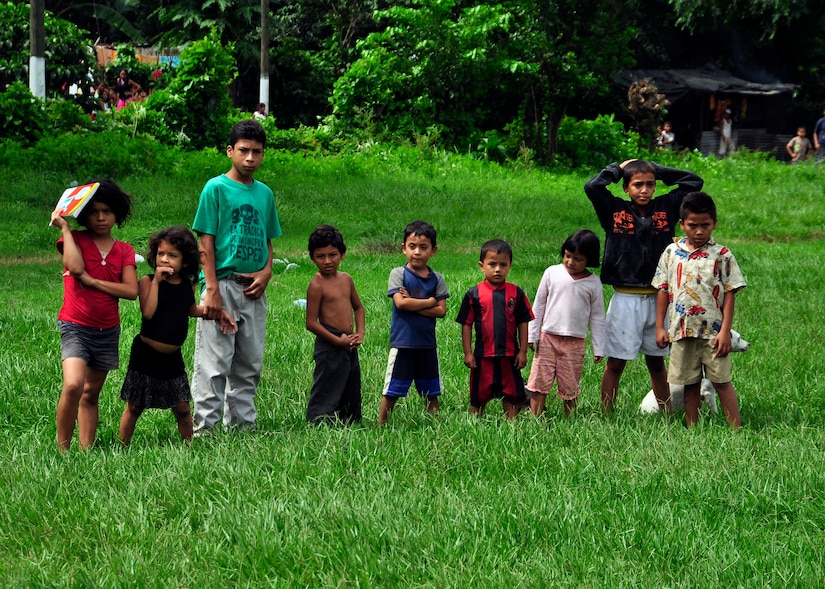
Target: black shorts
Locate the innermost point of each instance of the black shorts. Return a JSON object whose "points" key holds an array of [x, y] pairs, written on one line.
{"points": [[412, 365]]}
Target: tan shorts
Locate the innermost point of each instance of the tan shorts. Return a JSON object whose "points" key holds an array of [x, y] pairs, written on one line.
{"points": [[688, 357]]}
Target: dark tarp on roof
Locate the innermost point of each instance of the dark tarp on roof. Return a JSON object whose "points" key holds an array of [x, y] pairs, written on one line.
{"points": [[675, 84]]}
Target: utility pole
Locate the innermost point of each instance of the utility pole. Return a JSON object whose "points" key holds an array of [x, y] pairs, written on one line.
{"points": [[37, 49], [263, 94]]}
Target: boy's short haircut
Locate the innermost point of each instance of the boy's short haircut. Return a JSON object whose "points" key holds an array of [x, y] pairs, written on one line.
{"points": [[801, 128], [247, 129], [586, 243], [420, 228], [325, 235], [496, 246], [697, 203], [637, 167], [112, 195]]}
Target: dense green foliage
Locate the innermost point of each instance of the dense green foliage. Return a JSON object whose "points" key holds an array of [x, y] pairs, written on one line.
{"points": [[23, 116], [591, 143], [620, 501], [498, 78], [195, 105], [464, 69], [434, 64], [69, 54]]}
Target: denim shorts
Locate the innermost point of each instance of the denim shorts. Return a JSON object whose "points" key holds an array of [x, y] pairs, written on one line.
{"points": [[98, 347]]}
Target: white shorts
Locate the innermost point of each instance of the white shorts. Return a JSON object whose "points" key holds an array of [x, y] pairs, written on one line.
{"points": [[631, 326]]}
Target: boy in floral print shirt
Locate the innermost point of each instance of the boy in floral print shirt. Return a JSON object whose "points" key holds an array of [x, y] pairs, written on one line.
{"points": [[697, 279]]}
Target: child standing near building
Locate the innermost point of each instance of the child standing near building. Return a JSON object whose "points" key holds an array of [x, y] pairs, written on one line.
{"points": [[799, 148], [569, 298], [98, 271], [419, 297], [697, 279], [236, 221], [636, 233], [156, 377], [500, 313], [336, 316]]}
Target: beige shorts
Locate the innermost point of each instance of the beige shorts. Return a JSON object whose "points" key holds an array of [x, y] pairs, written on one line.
{"points": [[690, 355]]}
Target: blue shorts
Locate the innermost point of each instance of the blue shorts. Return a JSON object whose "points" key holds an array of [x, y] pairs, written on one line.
{"points": [[408, 365], [97, 347]]}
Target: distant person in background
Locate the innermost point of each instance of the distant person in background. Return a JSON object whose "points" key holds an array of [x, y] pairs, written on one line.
{"points": [[666, 137], [127, 88], [104, 97], [726, 144], [819, 138], [260, 114], [799, 147]]}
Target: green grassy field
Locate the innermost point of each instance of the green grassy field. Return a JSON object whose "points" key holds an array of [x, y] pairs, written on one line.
{"points": [[620, 501]]}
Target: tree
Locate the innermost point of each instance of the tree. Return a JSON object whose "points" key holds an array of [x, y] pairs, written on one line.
{"points": [[236, 23], [107, 20], [436, 64], [69, 53], [465, 67], [195, 108], [768, 15], [646, 106], [569, 50]]}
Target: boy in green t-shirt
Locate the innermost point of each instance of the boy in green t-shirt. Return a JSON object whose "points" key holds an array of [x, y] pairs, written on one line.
{"points": [[235, 221]]}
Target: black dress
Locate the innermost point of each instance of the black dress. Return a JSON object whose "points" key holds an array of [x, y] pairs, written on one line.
{"points": [[154, 379]]}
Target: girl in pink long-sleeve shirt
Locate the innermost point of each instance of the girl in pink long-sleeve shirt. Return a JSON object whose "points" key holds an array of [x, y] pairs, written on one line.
{"points": [[569, 298]]}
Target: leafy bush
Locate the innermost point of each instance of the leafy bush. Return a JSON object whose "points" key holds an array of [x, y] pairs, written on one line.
{"points": [[300, 140], [66, 117], [594, 143], [22, 116], [196, 103], [431, 63], [112, 154]]}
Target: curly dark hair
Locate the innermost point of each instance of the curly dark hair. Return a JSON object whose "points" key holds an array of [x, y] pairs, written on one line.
{"points": [[325, 235], [112, 195], [180, 238]]}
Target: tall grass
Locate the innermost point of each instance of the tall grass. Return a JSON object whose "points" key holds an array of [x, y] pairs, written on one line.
{"points": [[619, 501]]}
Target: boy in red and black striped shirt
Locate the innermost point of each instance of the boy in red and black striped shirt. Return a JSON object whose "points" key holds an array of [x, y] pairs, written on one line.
{"points": [[500, 313]]}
